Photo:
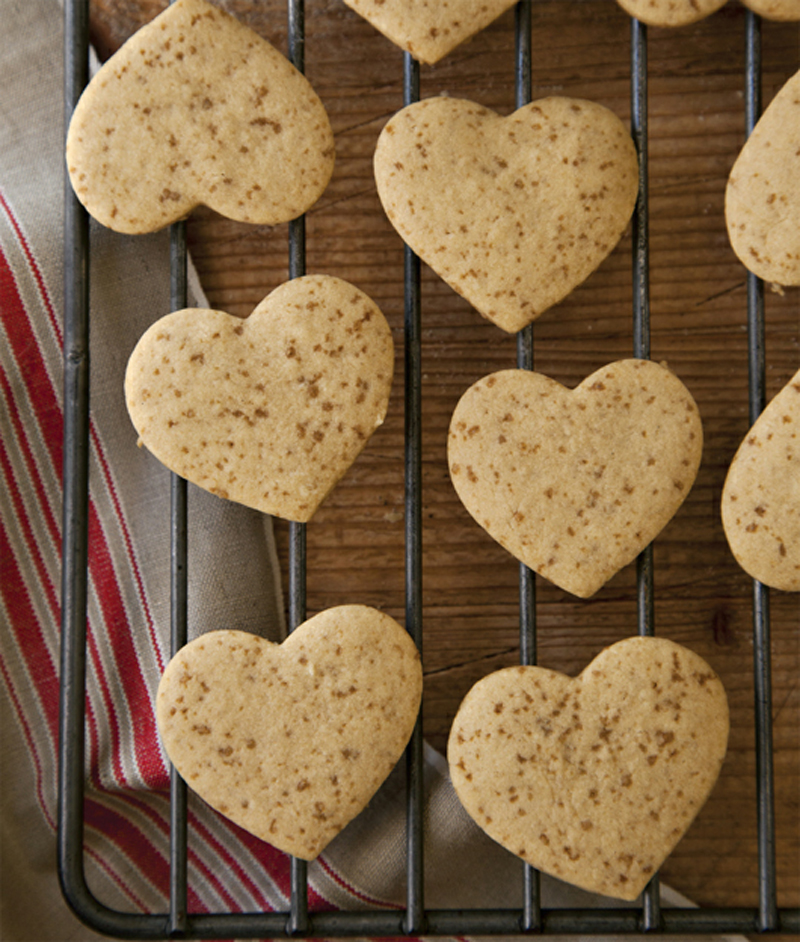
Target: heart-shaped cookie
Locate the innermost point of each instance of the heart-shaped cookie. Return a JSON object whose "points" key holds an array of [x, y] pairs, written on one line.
{"points": [[670, 13], [595, 779], [291, 741], [762, 198], [761, 496], [197, 108], [429, 31], [512, 212], [575, 483], [272, 410]]}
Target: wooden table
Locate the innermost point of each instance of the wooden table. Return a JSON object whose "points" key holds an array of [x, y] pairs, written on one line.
{"points": [[580, 48]]}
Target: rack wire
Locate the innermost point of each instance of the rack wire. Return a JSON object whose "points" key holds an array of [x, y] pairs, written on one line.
{"points": [[415, 918]]}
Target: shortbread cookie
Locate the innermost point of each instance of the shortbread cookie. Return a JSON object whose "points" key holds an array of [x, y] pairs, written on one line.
{"points": [[291, 741], [670, 12], [780, 10], [761, 496], [576, 483], [197, 108], [272, 410], [512, 212], [762, 198], [429, 31], [595, 779]]}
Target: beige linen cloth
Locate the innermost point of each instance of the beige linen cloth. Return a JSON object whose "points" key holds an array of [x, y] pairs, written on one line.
{"points": [[233, 582]]}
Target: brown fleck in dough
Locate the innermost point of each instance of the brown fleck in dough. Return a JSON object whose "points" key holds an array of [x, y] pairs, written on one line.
{"points": [[575, 483], [270, 411], [594, 779], [762, 198], [197, 108], [429, 30], [761, 496], [512, 212], [670, 12], [291, 741]]}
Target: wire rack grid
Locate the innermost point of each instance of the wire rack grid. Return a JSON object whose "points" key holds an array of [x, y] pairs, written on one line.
{"points": [[414, 919]]}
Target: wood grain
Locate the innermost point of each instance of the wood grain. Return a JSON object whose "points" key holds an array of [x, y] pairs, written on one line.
{"points": [[698, 316]]}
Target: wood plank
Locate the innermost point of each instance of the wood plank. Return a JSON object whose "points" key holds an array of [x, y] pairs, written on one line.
{"points": [[355, 542]]}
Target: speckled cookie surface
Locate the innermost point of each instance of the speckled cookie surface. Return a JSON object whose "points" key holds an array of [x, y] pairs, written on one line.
{"points": [[762, 198], [575, 483], [429, 29], [595, 779], [670, 12], [197, 108], [291, 741], [761, 496], [269, 411], [512, 212], [779, 10]]}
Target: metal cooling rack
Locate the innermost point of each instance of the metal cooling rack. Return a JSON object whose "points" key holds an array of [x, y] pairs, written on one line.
{"points": [[414, 919]]}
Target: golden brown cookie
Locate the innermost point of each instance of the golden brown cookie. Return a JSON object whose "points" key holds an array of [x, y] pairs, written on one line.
{"points": [[291, 741], [512, 212], [576, 483], [761, 496], [762, 198], [272, 410], [595, 779], [197, 108], [429, 30], [670, 12], [780, 10]]}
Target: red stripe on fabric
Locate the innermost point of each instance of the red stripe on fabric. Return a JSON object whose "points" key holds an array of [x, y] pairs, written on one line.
{"points": [[357, 894], [274, 861], [22, 520], [126, 536], [162, 824], [259, 899], [95, 756], [42, 398], [32, 264], [278, 865], [26, 351], [94, 735], [130, 840], [26, 629], [145, 743], [30, 462], [112, 874], [48, 305]]}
